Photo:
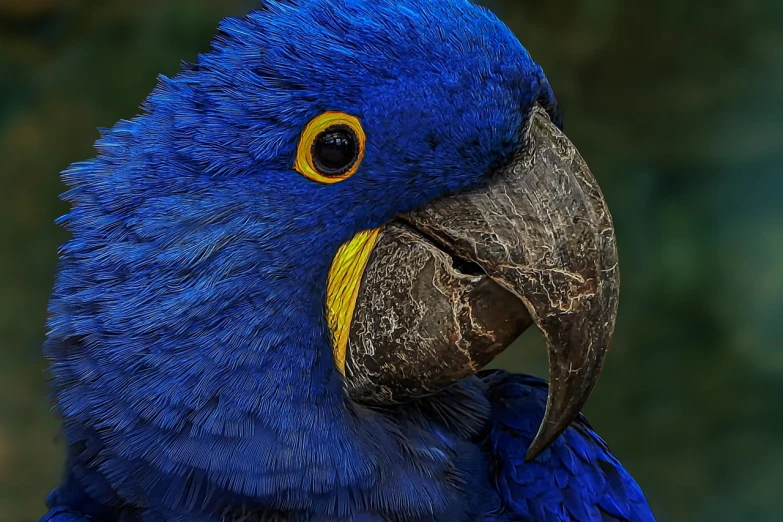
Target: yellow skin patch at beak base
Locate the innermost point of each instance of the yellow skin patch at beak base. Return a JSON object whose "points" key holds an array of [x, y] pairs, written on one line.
{"points": [[342, 289]]}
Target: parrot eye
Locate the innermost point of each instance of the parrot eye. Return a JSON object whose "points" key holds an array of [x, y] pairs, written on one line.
{"points": [[331, 148], [335, 150]]}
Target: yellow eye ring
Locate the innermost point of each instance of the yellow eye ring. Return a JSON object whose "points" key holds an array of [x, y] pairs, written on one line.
{"points": [[331, 148]]}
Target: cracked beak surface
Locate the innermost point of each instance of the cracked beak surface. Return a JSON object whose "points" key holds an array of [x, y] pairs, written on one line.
{"points": [[451, 285]]}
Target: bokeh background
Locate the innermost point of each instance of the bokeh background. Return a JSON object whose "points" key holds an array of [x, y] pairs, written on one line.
{"points": [[676, 104]]}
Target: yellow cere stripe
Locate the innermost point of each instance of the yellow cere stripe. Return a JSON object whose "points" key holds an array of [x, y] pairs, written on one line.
{"points": [[342, 289]]}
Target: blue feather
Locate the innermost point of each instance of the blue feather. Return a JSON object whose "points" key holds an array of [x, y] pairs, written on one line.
{"points": [[190, 356], [577, 478]]}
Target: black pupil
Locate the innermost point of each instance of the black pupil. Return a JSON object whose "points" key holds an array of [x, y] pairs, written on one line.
{"points": [[335, 151]]}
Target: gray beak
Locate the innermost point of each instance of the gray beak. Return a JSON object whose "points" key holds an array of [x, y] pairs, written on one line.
{"points": [[451, 285]]}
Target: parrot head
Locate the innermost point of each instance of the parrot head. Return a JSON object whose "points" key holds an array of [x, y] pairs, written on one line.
{"points": [[223, 238]]}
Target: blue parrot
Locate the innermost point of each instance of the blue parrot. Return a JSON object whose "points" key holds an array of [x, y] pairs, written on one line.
{"points": [[197, 338]]}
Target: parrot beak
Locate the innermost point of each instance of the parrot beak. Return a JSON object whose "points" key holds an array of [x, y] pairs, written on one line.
{"points": [[451, 285]]}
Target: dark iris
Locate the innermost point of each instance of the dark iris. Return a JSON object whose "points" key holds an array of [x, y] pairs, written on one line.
{"points": [[335, 150]]}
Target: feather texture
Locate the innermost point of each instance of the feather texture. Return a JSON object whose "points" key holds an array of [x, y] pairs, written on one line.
{"points": [[191, 358], [577, 478]]}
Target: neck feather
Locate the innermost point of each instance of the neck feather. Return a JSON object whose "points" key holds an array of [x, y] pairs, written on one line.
{"points": [[177, 394]]}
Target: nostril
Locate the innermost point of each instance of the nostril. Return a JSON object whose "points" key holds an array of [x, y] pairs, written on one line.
{"points": [[466, 267]]}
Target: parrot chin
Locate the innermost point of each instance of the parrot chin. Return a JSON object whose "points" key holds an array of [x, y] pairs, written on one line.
{"points": [[451, 285]]}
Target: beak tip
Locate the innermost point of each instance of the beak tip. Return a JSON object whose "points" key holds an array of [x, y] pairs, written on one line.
{"points": [[532, 452], [547, 434]]}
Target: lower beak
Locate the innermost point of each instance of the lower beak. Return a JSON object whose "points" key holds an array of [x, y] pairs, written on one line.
{"points": [[451, 285]]}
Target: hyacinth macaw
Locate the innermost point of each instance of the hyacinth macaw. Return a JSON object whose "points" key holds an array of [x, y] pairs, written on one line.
{"points": [[200, 334]]}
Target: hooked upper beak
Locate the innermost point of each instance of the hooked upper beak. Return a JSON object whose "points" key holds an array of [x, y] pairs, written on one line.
{"points": [[451, 285]]}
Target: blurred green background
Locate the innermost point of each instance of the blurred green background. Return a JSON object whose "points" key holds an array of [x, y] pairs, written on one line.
{"points": [[676, 104]]}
